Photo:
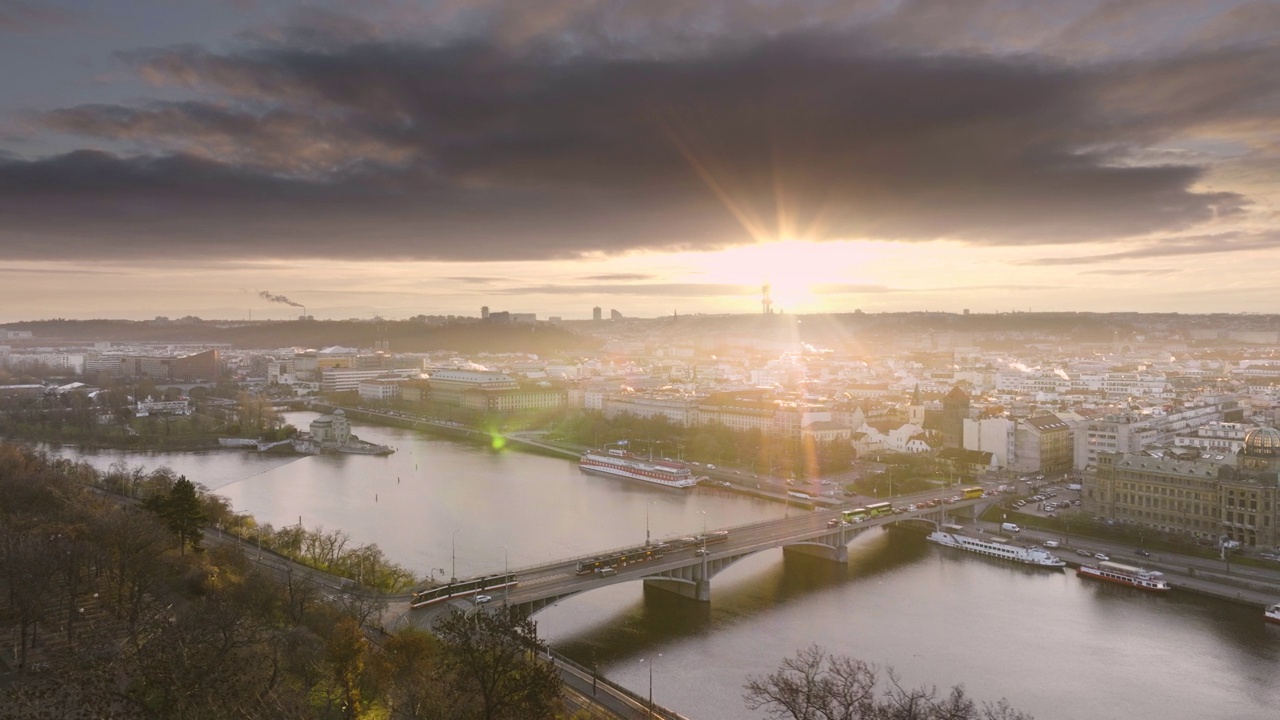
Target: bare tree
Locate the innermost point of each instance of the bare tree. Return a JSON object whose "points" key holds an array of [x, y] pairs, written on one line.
{"points": [[816, 685]]}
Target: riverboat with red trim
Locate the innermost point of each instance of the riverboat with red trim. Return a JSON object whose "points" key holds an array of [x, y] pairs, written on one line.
{"points": [[623, 464], [1125, 575]]}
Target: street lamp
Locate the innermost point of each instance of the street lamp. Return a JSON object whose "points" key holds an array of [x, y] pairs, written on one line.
{"points": [[506, 577], [454, 575], [646, 522], [650, 684]]}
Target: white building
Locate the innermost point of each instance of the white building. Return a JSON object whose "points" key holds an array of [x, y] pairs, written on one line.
{"points": [[380, 389], [993, 435]]}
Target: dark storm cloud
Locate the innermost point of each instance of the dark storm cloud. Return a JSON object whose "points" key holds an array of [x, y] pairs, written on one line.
{"points": [[339, 144], [1174, 247]]}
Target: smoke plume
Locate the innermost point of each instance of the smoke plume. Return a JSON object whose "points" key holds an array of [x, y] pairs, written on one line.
{"points": [[278, 299]]}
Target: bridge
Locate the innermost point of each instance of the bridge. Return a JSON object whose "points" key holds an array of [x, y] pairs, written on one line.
{"points": [[687, 571]]}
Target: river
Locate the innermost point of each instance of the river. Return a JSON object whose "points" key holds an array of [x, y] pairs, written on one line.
{"points": [[1054, 645]]}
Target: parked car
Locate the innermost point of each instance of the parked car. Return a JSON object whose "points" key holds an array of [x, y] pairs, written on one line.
{"points": [[482, 599]]}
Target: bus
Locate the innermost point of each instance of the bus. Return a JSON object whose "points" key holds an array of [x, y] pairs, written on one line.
{"points": [[880, 509], [971, 493], [855, 515]]}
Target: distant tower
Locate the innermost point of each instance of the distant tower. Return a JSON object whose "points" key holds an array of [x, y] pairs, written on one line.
{"points": [[597, 313], [766, 304], [955, 410], [484, 312]]}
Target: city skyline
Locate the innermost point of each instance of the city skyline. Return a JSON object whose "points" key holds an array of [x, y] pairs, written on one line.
{"points": [[430, 158]]}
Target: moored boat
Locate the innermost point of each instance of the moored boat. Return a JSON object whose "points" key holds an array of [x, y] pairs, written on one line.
{"points": [[622, 464], [1002, 551], [1272, 613], [1125, 575]]}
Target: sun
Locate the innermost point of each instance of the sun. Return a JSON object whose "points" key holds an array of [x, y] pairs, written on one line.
{"points": [[791, 269]]}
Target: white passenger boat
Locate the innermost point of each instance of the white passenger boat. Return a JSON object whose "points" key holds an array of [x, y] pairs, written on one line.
{"points": [[1003, 551], [1272, 613]]}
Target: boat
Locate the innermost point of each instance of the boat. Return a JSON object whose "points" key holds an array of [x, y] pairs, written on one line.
{"points": [[623, 464], [1125, 575], [1273, 613], [1003, 551]]}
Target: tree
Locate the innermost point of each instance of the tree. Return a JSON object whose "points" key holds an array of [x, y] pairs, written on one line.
{"points": [[816, 685], [493, 667], [182, 512]]}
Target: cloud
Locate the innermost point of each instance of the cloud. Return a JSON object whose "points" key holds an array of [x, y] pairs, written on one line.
{"points": [[532, 137], [640, 289], [473, 280], [1231, 242], [23, 16], [619, 277], [1149, 272]]}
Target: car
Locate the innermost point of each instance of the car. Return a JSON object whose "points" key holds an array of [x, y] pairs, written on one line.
{"points": [[1051, 514], [482, 599], [1084, 553], [1051, 543], [833, 522], [1101, 556], [701, 551], [710, 466], [1141, 553]]}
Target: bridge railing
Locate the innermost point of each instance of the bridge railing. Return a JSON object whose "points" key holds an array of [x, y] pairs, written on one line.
{"points": [[657, 710], [731, 529], [575, 558]]}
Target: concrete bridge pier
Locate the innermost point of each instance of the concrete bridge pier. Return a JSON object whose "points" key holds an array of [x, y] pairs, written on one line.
{"points": [[697, 589], [834, 553]]}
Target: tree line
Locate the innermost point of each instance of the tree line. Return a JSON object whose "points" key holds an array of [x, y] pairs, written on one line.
{"points": [[112, 609], [769, 453]]}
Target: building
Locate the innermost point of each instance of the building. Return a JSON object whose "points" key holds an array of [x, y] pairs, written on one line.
{"points": [[966, 463], [447, 386], [509, 400], [206, 365], [162, 407], [955, 410], [615, 315], [597, 313], [332, 429], [680, 410], [993, 435], [338, 380], [1129, 432], [1042, 445], [1198, 498], [379, 389]]}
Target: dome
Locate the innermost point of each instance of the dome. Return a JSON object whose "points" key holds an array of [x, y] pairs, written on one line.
{"points": [[1262, 442]]}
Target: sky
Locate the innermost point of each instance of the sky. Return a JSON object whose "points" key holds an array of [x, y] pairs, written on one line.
{"points": [[397, 158]]}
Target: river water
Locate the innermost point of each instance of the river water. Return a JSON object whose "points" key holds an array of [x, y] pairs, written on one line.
{"points": [[1054, 645]]}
